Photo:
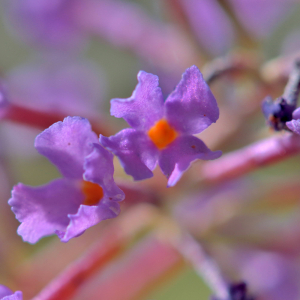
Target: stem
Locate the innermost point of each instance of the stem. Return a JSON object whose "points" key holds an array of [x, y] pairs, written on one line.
{"points": [[112, 242], [229, 65], [148, 265], [292, 89], [43, 120], [204, 266], [257, 155]]}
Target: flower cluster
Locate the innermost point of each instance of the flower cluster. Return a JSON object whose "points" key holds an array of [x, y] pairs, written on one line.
{"points": [[87, 194]]}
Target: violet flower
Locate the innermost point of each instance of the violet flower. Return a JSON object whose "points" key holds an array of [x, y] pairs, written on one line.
{"points": [[86, 195], [7, 294], [47, 23], [57, 84], [211, 25], [162, 131], [261, 17]]}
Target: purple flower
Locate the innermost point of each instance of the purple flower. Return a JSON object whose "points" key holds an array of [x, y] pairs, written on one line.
{"points": [[56, 84], [162, 131], [211, 25], [261, 17], [48, 23], [86, 195], [7, 294]]}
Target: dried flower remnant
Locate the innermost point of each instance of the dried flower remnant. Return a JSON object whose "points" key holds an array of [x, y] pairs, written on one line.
{"points": [[86, 195], [7, 294], [283, 109], [163, 131], [237, 291]]}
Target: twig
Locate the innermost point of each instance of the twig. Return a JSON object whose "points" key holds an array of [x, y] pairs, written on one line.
{"points": [[148, 265], [229, 65], [42, 120], [112, 243], [257, 155], [292, 89], [205, 267]]}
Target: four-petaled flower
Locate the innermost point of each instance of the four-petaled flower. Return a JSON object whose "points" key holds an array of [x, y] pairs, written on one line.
{"points": [[86, 195], [162, 132]]}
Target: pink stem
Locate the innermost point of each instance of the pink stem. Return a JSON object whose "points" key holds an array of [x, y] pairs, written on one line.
{"points": [[257, 155], [43, 120], [149, 264], [204, 266], [112, 242]]}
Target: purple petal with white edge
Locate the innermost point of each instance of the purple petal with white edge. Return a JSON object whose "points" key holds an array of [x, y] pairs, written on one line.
{"points": [[177, 157], [144, 107], [191, 107], [43, 210], [16, 296], [66, 144], [88, 216], [294, 126], [4, 291], [99, 169], [136, 152]]}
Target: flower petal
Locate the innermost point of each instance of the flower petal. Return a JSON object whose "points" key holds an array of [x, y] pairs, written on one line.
{"points": [[99, 169], [15, 296], [66, 144], [43, 210], [88, 216], [191, 107], [260, 18], [176, 158], [144, 107], [211, 25], [136, 152], [4, 291], [294, 126], [57, 84]]}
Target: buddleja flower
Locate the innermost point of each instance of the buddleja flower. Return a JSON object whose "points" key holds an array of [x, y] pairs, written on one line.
{"points": [[7, 294], [162, 132], [86, 195]]}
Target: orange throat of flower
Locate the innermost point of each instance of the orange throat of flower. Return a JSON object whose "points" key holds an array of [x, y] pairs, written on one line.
{"points": [[162, 134], [93, 193]]}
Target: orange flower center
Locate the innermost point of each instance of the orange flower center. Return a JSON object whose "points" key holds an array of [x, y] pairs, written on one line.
{"points": [[93, 193], [162, 134]]}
